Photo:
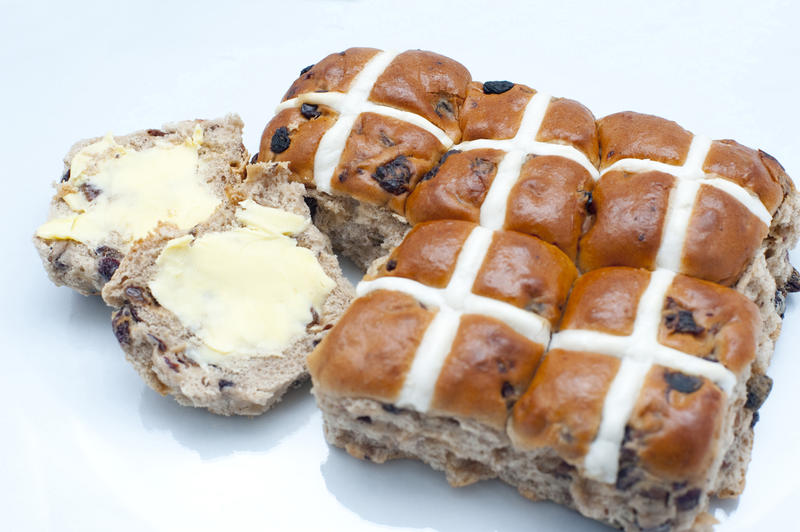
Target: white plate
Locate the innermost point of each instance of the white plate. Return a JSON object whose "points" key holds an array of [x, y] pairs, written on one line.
{"points": [[85, 445]]}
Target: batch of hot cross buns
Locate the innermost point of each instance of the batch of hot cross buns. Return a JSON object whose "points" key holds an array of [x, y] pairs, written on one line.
{"points": [[584, 308]]}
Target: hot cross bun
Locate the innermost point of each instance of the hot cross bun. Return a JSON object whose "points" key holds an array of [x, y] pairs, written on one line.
{"points": [[630, 402], [670, 199]]}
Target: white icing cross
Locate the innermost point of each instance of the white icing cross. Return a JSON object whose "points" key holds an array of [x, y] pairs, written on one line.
{"points": [[689, 177], [349, 105], [453, 301], [524, 143], [638, 352]]}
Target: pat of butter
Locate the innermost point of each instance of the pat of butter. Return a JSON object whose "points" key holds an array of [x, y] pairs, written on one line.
{"points": [[270, 220], [133, 191], [247, 291]]}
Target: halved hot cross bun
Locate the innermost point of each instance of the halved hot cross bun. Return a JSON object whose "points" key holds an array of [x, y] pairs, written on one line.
{"points": [[643, 382], [368, 123], [526, 162], [670, 199], [454, 322]]}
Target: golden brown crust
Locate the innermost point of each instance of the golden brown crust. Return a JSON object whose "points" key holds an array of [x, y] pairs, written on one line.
{"points": [[493, 116], [722, 237], [631, 209], [549, 201], [383, 159], [526, 272], [618, 220], [710, 321], [605, 300], [428, 84], [639, 136], [455, 188], [569, 122], [370, 350], [488, 368], [700, 318], [486, 354], [744, 166], [428, 253], [676, 421], [675, 431], [334, 73], [304, 136], [563, 406], [777, 172]]}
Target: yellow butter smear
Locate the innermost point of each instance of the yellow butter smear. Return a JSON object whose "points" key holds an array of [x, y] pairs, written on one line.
{"points": [[133, 191], [243, 292]]}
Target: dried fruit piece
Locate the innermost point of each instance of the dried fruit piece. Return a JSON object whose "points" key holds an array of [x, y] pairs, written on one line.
{"points": [[309, 111], [390, 408], [107, 266], [435, 170], [688, 500], [481, 167], [683, 322], [496, 87], [629, 471], [793, 284], [135, 293], [681, 382], [394, 176], [314, 319], [312, 205], [758, 388], [120, 322], [507, 391], [280, 140], [780, 302], [680, 320], [172, 365], [443, 107], [161, 345]]}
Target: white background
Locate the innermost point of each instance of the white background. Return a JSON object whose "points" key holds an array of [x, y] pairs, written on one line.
{"points": [[85, 445]]}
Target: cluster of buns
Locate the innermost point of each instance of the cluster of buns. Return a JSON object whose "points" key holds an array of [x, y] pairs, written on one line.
{"points": [[584, 308]]}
